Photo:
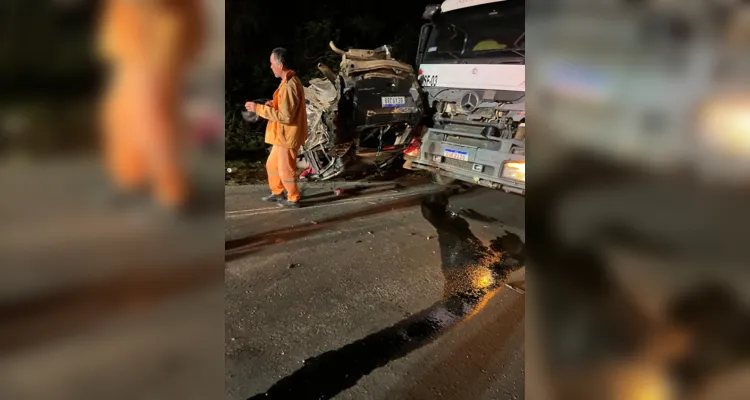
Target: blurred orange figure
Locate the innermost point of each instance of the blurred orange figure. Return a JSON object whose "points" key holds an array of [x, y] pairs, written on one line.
{"points": [[147, 46]]}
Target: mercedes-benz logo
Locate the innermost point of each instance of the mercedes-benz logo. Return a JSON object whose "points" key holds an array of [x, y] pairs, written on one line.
{"points": [[469, 101]]}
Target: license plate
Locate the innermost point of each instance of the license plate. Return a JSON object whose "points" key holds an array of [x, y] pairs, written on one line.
{"points": [[393, 101], [457, 154]]}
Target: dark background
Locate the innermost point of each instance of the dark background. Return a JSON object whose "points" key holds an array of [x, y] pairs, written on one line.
{"points": [[49, 76], [254, 29]]}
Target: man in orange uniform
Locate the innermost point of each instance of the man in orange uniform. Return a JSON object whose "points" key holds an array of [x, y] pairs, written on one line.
{"points": [[286, 131], [148, 46]]}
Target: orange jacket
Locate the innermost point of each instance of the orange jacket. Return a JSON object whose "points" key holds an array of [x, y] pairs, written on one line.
{"points": [[157, 33], [287, 118]]}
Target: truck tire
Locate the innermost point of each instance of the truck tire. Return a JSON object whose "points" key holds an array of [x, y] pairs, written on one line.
{"points": [[443, 180]]}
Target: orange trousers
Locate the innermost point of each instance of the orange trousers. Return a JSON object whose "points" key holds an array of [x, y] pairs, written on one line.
{"points": [[142, 145], [282, 172]]}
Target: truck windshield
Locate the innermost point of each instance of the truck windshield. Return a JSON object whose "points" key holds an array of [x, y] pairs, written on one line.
{"points": [[490, 32]]}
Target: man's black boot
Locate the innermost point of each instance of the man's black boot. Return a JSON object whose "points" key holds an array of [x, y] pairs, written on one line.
{"points": [[288, 204], [274, 198]]}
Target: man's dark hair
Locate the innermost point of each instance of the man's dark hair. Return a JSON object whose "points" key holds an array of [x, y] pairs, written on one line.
{"points": [[281, 56]]}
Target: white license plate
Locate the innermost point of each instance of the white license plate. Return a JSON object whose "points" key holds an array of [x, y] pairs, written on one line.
{"points": [[456, 154], [393, 101]]}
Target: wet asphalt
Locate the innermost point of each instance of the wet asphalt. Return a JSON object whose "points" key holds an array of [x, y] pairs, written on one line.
{"points": [[393, 291]]}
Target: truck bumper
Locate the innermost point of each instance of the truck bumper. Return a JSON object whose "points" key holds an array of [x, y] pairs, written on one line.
{"points": [[492, 182]]}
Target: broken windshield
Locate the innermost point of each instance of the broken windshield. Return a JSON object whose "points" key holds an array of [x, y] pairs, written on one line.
{"points": [[486, 34]]}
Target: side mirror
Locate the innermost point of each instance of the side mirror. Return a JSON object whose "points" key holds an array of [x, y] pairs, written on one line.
{"points": [[430, 11], [424, 33]]}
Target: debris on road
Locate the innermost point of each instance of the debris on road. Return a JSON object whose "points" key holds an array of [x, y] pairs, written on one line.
{"points": [[293, 265]]}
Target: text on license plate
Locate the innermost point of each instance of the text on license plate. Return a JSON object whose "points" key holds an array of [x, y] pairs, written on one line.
{"points": [[457, 154], [393, 101]]}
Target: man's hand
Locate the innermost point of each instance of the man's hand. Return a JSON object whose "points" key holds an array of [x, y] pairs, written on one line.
{"points": [[250, 106], [269, 103]]}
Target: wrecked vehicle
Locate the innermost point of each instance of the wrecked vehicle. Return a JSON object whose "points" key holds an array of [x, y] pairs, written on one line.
{"points": [[365, 115]]}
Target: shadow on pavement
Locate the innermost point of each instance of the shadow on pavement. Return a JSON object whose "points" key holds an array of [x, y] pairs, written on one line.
{"points": [[235, 249], [471, 363], [71, 310], [473, 274], [347, 193]]}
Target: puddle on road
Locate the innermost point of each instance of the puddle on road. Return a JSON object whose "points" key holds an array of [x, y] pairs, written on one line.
{"points": [[473, 272]]}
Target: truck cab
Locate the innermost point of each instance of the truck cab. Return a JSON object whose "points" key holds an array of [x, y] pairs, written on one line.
{"points": [[471, 60]]}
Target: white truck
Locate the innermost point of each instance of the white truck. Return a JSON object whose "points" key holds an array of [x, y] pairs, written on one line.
{"points": [[471, 60]]}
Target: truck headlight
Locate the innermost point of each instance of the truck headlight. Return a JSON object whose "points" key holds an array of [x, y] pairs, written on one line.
{"points": [[725, 125], [515, 170]]}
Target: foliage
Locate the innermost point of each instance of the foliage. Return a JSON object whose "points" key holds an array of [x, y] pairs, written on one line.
{"points": [[245, 172]]}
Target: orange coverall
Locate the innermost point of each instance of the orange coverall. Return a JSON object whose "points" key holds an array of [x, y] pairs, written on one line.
{"points": [[286, 131], [148, 46]]}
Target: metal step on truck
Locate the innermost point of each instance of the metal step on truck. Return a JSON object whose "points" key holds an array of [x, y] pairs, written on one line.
{"points": [[471, 60]]}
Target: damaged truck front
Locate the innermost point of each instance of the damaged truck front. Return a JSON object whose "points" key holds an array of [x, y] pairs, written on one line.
{"points": [[366, 114], [472, 61]]}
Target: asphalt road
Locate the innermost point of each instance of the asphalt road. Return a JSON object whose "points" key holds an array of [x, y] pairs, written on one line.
{"points": [[383, 293], [99, 302]]}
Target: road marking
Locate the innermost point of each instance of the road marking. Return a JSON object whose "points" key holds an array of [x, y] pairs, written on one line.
{"points": [[268, 210], [515, 289]]}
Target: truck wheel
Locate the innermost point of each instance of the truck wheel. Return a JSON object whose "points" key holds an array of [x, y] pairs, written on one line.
{"points": [[443, 180]]}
